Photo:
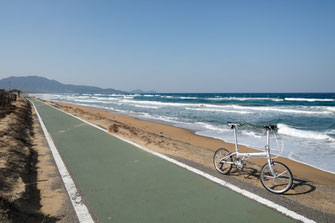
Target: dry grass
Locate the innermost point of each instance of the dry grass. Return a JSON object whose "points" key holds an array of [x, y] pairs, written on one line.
{"points": [[19, 196]]}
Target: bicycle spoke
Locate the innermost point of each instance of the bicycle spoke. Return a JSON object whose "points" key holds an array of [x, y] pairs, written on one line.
{"points": [[267, 176], [222, 161], [281, 174], [278, 183]]}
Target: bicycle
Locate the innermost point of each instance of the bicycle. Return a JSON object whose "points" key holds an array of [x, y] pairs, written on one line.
{"points": [[275, 176]]}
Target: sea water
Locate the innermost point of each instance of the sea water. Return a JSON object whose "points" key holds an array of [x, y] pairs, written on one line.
{"points": [[306, 121]]}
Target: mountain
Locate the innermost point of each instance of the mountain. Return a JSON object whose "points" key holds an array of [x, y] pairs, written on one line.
{"points": [[36, 84], [139, 91]]}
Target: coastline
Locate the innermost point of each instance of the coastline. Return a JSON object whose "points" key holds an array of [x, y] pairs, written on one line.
{"points": [[196, 132], [259, 150], [207, 115], [190, 136], [313, 187]]}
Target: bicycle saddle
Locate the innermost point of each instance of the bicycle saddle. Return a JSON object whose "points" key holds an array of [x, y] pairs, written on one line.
{"points": [[271, 127], [232, 124]]}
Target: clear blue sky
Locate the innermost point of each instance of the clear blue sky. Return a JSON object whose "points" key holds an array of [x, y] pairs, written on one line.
{"points": [[172, 45]]}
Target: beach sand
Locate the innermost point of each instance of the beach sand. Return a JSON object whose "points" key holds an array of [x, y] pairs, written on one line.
{"points": [[312, 188], [31, 189]]}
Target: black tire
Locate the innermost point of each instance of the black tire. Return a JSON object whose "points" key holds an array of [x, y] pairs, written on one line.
{"points": [[279, 184], [222, 161]]}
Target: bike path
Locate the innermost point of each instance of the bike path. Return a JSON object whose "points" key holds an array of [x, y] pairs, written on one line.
{"points": [[122, 183]]}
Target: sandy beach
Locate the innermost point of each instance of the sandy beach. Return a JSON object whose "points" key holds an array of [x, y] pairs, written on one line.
{"points": [[312, 188]]}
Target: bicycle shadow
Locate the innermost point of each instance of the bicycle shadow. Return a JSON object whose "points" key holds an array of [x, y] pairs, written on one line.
{"points": [[299, 186]]}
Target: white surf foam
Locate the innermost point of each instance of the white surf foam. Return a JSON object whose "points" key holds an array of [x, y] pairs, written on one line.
{"points": [[291, 109], [146, 106], [159, 118], [252, 134], [244, 99], [219, 110], [128, 99], [208, 126], [91, 101], [310, 99], [188, 97], [331, 109], [286, 130]]}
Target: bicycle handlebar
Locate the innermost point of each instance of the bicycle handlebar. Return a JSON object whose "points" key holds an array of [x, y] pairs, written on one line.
{"points": [[269, 127]]}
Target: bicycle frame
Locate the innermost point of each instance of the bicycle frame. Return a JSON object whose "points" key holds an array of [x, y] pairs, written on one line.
{"points": [[275, 176], [244, 156], [265, 154]]}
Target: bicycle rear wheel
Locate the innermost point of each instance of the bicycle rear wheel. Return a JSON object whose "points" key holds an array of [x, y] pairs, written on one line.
{"points": [[222, 161], [281, 182]]}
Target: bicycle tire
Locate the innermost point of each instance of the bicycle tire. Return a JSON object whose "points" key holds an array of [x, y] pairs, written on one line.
{"points": [[279, 184], [219, 163]]}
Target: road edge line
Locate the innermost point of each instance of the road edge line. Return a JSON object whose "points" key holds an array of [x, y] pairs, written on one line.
{"points": [[224, 183], [80, 208]]}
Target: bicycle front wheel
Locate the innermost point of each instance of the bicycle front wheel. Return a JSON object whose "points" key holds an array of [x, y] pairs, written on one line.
{"points": [[278, 183], [222, 161]]}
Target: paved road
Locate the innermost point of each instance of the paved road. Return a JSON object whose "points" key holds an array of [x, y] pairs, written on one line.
{"points": [[122, 183]]}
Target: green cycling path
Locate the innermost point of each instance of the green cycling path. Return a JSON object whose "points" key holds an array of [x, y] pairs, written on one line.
{"points": [[123, 183]]}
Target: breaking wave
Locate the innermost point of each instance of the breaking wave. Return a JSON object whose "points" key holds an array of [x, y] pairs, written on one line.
{"points": [[286, 130], [310, 99]]}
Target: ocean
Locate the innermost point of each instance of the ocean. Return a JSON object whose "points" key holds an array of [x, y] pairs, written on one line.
{"points": [[306, 121]]}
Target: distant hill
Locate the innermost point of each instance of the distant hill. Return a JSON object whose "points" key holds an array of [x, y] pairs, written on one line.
{"points": [[139, 91], [36, 84]]}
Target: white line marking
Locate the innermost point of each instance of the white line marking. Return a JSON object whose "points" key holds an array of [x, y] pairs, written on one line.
{"points": [[76, 200], [224, 183]]}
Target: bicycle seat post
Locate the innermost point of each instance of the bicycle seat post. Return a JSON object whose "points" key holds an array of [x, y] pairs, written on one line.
{"points": [[268, 129], [267, 147], [235, 136], [267, 138], [234, 126]]}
